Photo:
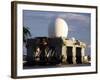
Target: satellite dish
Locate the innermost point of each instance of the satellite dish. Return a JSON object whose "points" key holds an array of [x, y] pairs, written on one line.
{"points": [[59, 28]]}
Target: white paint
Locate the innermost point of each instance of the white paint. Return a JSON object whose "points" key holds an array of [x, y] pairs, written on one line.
{"points": [[59, 28]]}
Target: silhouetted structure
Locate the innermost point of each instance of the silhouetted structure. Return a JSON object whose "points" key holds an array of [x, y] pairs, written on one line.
{"points": [[55, 51]]}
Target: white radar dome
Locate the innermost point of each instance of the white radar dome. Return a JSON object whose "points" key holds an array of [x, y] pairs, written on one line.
{"points": [[58, 28]]}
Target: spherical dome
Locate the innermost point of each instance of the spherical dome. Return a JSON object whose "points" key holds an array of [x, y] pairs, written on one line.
{"points": [[58, 28]]}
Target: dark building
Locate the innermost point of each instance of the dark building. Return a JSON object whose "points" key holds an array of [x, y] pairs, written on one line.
{"points": [[55, 51]]}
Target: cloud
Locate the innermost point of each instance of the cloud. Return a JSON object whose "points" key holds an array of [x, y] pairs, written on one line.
{"points": [[66, 15], [38, 14], [88, 46], [71, 28], [76, 17], [75, 21]]}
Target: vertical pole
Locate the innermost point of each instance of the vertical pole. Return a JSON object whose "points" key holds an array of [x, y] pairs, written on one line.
{"points": [[64, 54], [74, 55], [82, 54]]}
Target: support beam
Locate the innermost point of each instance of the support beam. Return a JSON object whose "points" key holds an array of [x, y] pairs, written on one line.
{"points": [[74, 55], [82, 54], [64, 54]]}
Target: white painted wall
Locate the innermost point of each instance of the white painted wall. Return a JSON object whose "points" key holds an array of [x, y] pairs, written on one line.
{"points": [[5, 41]]}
